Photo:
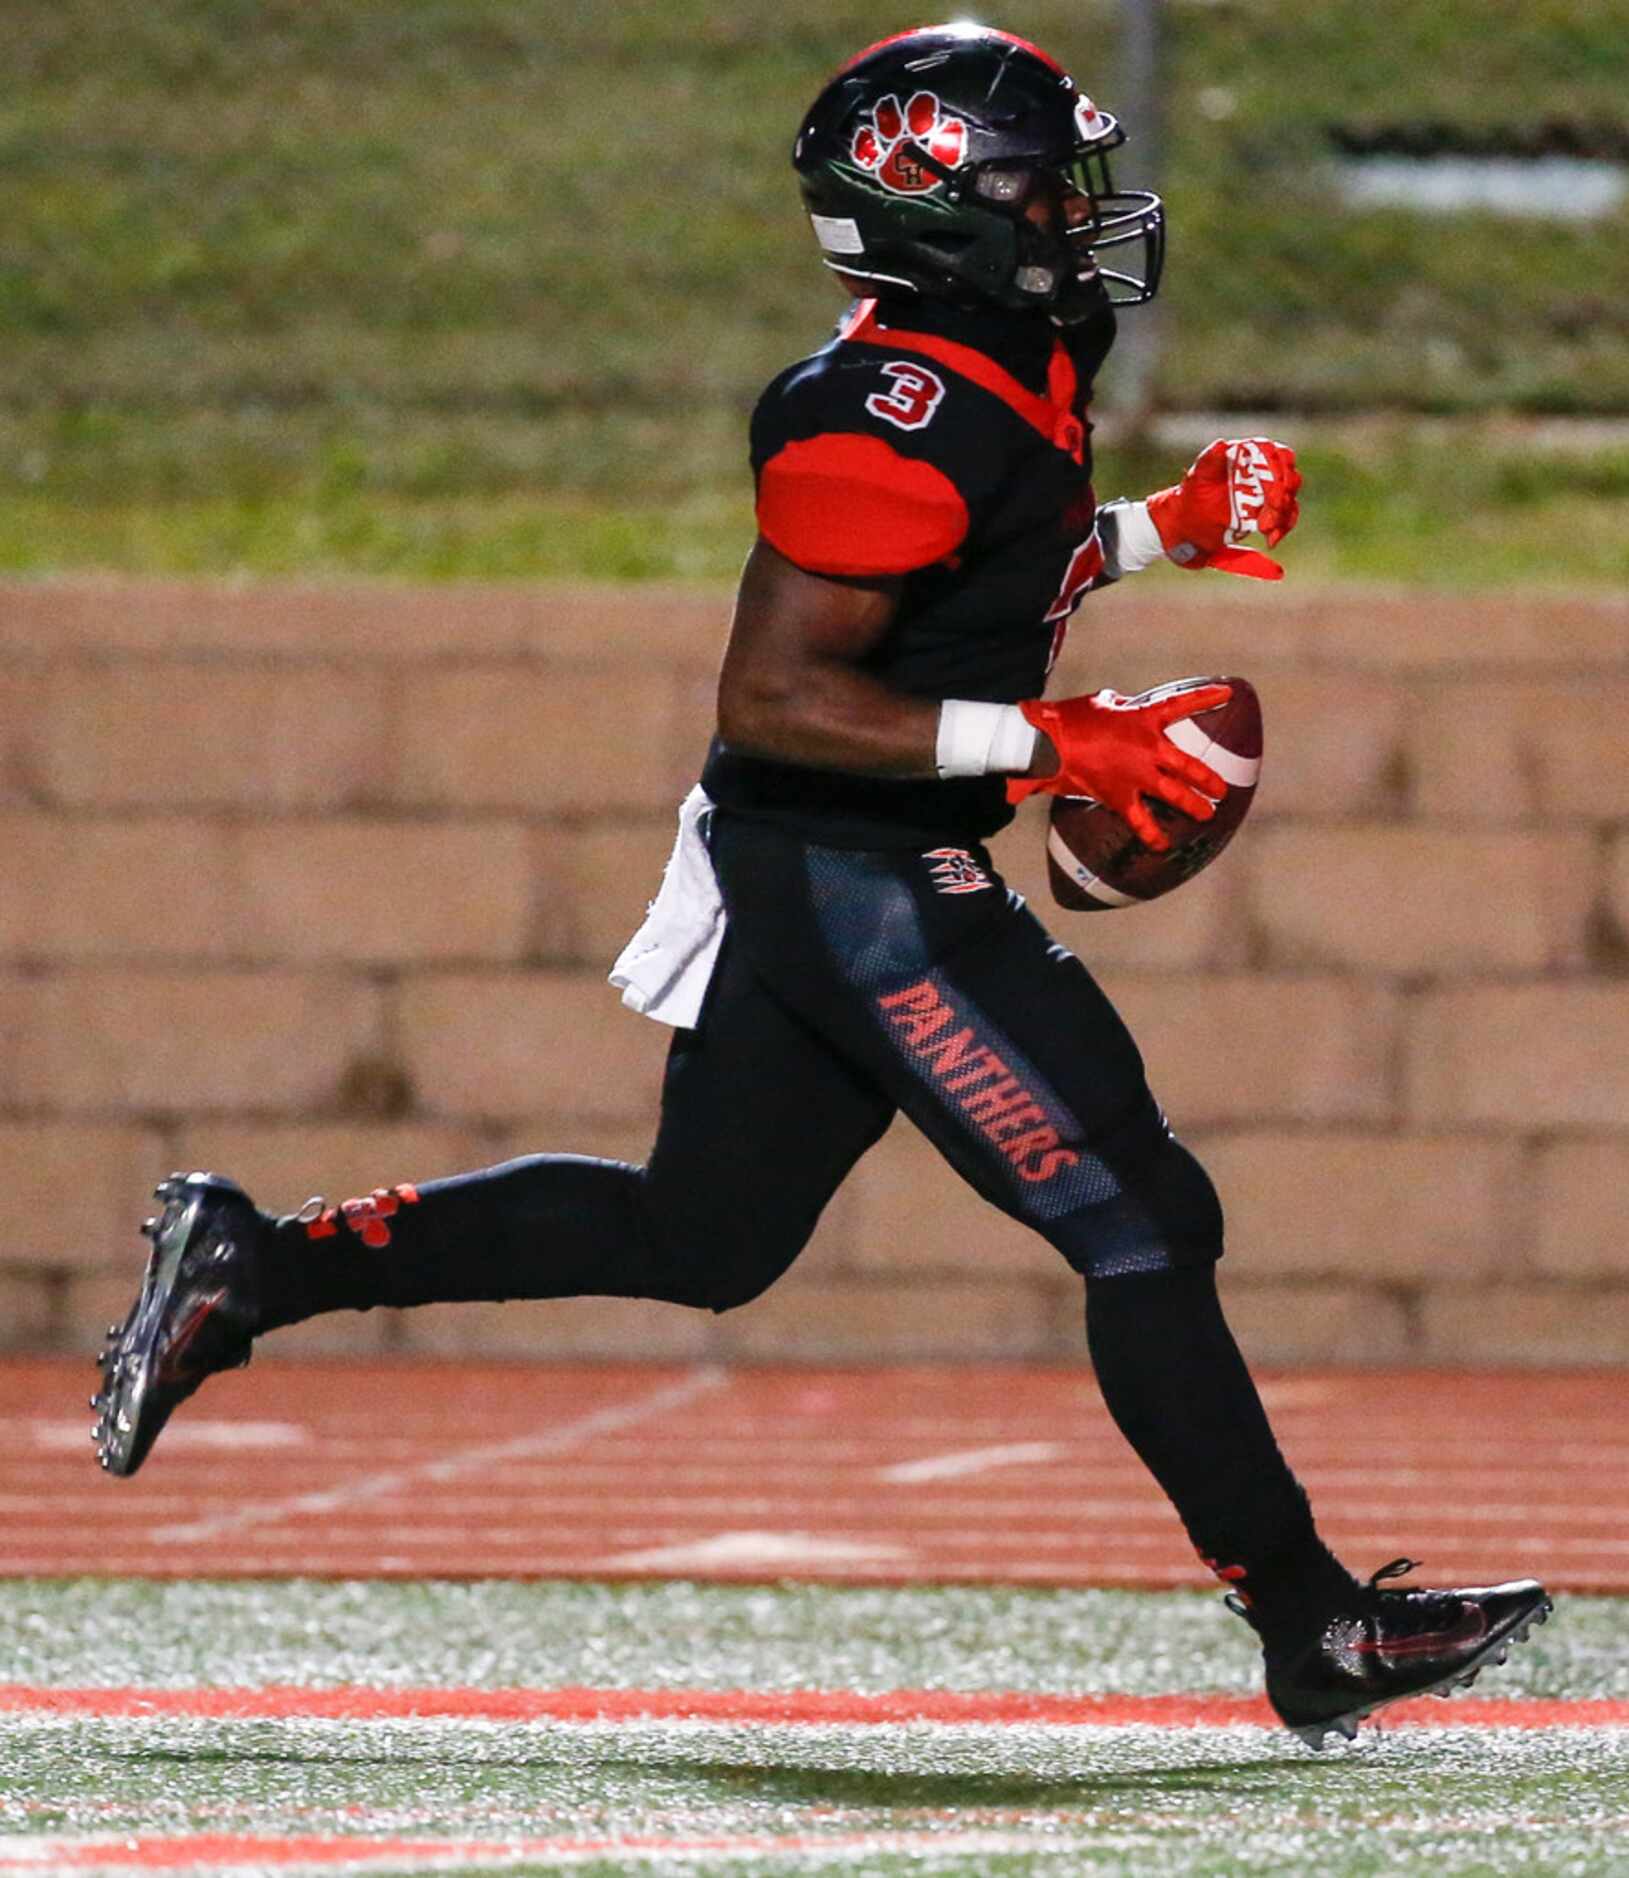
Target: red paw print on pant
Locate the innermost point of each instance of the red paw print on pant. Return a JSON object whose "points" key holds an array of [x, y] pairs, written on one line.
{"points": [[891, 145]]}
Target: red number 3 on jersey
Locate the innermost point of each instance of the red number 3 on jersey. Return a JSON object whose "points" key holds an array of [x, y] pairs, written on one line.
{"points": [[914, 398]]}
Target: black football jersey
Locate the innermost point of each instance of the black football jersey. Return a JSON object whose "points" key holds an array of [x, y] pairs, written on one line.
{"points": [[949, 448]]}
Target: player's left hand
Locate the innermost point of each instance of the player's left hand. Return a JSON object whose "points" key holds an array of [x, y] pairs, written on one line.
{"points": [[1115, 750], [1234, 485]]}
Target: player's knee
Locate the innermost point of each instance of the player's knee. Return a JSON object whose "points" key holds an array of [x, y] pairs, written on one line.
{"points": [[728, 1287], [1189, 1208], [1166, 1215], [728, 1269]]}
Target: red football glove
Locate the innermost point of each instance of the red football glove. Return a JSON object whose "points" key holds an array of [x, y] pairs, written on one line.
{"points": [[1115, 750], [1236, 484]]}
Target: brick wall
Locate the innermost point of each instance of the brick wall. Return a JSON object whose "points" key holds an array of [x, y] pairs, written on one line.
{"points": [[318, 885]]}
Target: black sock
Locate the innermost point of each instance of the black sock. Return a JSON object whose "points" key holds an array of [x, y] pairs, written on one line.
{"points": [[546, 1226], [1179, 1391]]}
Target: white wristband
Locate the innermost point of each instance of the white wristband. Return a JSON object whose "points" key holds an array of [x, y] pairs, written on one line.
{"points": [[983, 739], [1137, 541]]}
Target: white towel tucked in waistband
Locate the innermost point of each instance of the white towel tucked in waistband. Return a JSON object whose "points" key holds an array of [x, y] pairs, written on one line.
{"points": [[665, 968]]}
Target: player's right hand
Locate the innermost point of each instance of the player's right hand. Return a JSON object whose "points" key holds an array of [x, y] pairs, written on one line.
{"points": [[1115, 749]]}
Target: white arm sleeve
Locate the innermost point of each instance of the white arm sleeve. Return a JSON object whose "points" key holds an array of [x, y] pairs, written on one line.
{"points": [[1130, 540], [977, 739]]}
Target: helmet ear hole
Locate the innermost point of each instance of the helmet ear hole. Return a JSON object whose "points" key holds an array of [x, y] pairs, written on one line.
{"points": [[1003, 183]]}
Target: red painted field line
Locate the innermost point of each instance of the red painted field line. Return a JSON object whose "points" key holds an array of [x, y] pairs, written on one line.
{"points": [[252, 1852], [844, 1706]]}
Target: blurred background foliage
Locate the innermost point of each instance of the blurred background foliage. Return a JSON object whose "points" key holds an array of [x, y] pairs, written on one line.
{"points": [[488, 287]]}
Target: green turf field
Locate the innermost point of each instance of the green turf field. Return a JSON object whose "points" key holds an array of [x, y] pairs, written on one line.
{"points": [[649, 1795], [485, 288]]}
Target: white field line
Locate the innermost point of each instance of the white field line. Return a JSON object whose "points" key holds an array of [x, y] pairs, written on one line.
{"points": [[965, 1461], [556, 1440], [792, 1551], [70, 1436]]}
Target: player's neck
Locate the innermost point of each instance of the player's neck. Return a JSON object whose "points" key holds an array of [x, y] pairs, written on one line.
{"points": [[1021, 342]]}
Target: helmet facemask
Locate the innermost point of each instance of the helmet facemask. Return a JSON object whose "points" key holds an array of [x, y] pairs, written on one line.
{"points": [[1059, 266]]}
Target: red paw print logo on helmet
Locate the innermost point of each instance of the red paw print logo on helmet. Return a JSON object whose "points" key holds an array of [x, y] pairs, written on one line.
{"points": [[891, 145]]}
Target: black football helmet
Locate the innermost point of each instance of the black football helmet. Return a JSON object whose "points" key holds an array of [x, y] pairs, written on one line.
{"points": [[919, 159]]}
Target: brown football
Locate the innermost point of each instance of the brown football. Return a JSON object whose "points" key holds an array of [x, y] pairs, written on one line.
{"points": [[1094, 860]]}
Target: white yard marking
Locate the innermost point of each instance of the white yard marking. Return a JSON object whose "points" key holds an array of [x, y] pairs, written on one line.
{"points": [[755, 1549], [71, 1436], [973, 1461], [557, 1440]]}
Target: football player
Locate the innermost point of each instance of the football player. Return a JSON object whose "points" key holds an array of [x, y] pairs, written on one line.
{"points": [[831, 940]]}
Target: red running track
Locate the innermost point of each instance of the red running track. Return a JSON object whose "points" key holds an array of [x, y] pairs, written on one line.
{"points": [[984, 1475]]}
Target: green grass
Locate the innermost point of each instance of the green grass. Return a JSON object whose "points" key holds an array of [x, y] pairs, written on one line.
{"points": [[1459, 506], [459, 287], [498, 1634], [1172, 1806], [1456, 504], [1157, 1802]]}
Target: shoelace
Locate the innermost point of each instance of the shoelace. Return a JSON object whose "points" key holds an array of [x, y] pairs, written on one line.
{"points": [[1409, 1610], [1398, 1568]]}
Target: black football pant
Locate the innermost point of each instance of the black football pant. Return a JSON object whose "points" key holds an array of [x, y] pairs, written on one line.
{"points": [[853, 984]]}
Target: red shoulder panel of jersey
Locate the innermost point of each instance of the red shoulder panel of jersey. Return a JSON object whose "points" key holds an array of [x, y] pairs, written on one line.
{"points": [[846, 503]]}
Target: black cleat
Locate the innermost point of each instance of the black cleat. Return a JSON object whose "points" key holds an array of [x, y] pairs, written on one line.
{"points": [[1395, 1644], [196, 1313]]}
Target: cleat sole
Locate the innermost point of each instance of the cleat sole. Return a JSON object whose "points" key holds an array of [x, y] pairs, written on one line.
{"points": [[140, 1389]]}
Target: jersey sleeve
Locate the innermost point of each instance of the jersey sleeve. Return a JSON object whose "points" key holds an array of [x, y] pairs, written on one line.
{"points": [[858, 472], [842, 502]]}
